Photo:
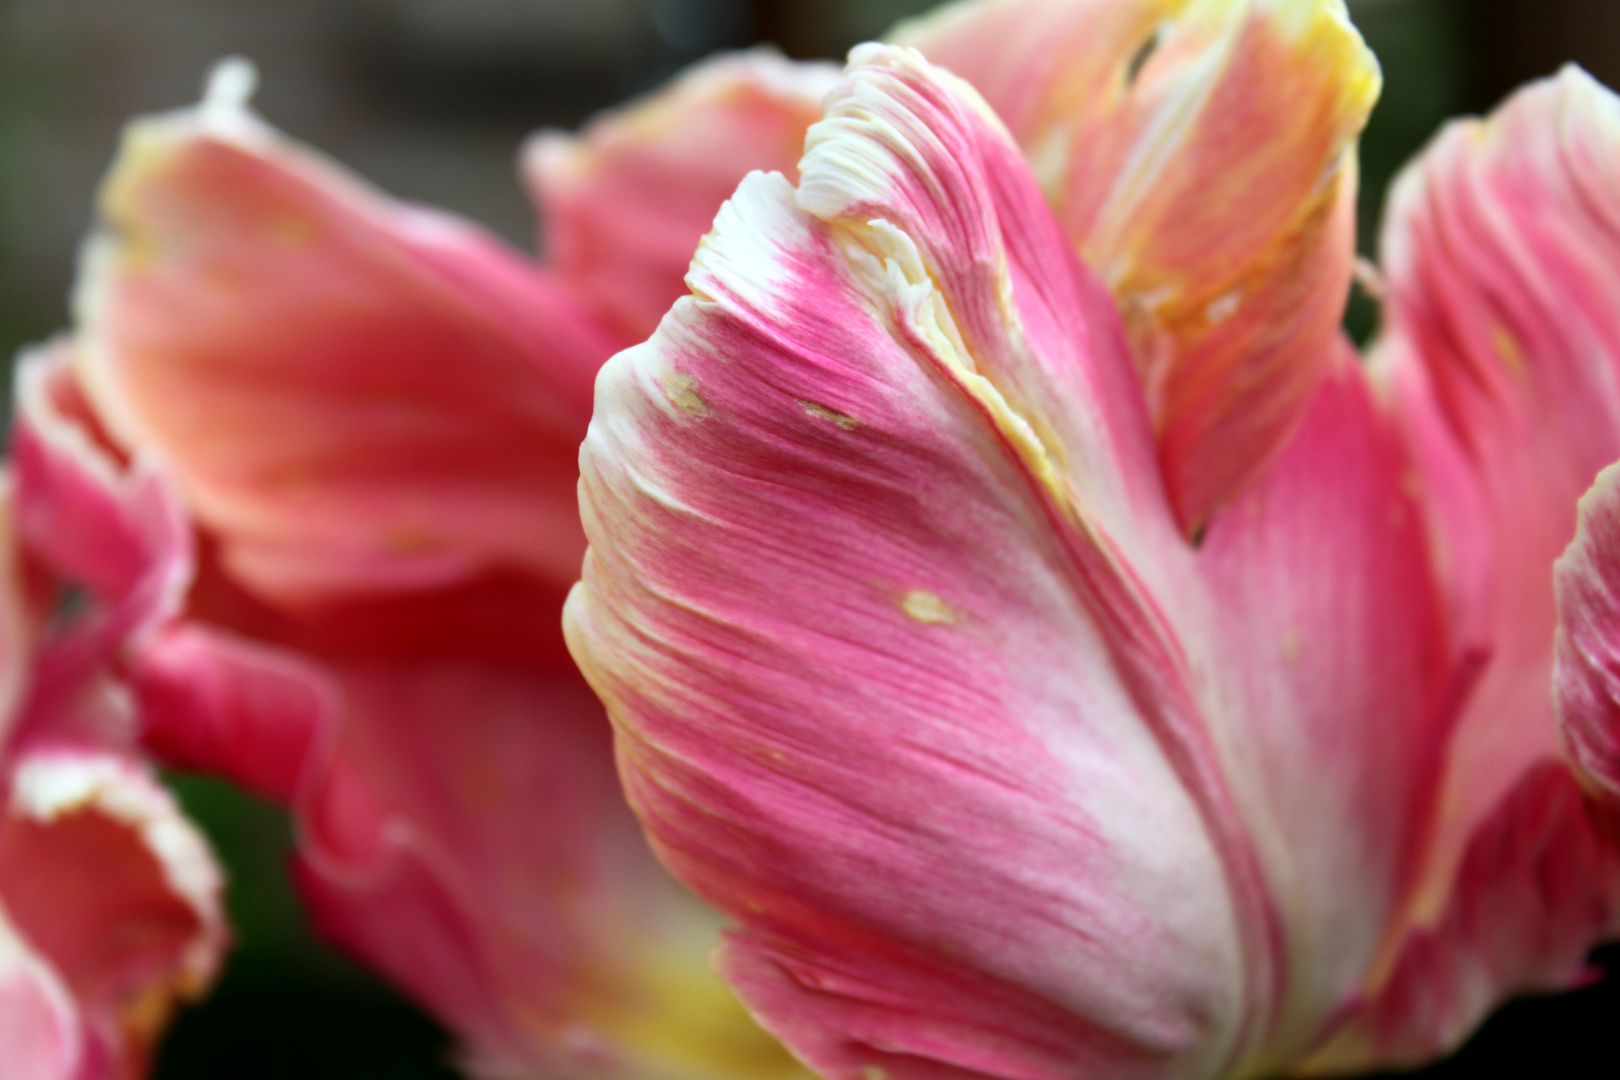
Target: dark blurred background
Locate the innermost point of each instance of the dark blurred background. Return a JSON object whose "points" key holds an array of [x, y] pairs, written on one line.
{"points": [[429, 99]]}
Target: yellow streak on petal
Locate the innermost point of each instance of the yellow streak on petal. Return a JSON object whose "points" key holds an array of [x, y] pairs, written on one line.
{"points": [[832, 416], [679, 1020], [926, 607], [1507, 346]]}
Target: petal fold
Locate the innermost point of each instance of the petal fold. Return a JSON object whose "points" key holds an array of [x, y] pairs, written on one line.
{"points": [[1201, 154]]}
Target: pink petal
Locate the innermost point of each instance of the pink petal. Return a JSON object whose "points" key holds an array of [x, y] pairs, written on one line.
{"points": [[915, 678], [1538, 885], [832, 603], [1586, 679], [41, 1037], [115, 890], [92, 517], [469, 840], [1338, 687], [626, 201], [1501, 350], [354, 395], [1202, 157], [229, 706]]}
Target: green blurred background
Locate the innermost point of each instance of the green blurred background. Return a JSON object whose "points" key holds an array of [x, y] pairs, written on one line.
{"points": [[429, 98]]}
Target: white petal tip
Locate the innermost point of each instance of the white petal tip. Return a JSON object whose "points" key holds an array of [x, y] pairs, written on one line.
{"points": [[230, 86]]}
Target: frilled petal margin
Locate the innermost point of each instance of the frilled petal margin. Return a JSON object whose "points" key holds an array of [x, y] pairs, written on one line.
{"points": [[113, 889]]}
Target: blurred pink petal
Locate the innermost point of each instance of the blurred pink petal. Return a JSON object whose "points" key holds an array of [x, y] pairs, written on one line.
{"points": [[355, 395], [109, 898], [115, 890], [215, 702], [916, 677], [538, 925], [626, 201], [1201, 154], [372, 414], [41, 1037]]}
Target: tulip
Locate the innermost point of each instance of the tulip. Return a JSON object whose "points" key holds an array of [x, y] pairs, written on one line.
{"points": [[371, 415], [1026, 724], [109, 897]]}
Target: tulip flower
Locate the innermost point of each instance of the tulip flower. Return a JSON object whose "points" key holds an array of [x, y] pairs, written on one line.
{"points": [[371, 415], [109, 897], [1030, 724]]}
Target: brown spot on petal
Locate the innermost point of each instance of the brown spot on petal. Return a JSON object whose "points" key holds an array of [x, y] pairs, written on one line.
{"points": [[681, 390]]}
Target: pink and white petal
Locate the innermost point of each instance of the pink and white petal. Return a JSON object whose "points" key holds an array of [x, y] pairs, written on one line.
{"points": [[1502, 350], [211, 701], [1586, 675], [352, 394], [1201, 154], [468, 838], [93, 517], [1537, 887], [1338, 686], [857, 604], [41, 1036], [17, 619], [111, 885], [625, 202]]}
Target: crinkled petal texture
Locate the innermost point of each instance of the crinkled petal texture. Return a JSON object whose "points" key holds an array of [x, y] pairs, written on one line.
{"points": [[1201, 154], [354, 394], [117, 899], [109, 898], [914, 675], [323, 372], [626, 201], [1502, 353], [1587, 673]]}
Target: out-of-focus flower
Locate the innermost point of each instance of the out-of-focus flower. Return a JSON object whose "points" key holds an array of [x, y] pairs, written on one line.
{"points": [[109, 897], [372, 413], [916, 673]]}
